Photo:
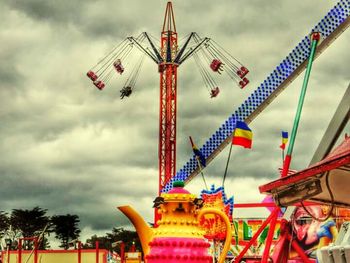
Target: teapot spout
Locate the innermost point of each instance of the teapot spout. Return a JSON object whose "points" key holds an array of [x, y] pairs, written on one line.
{"points": [[144, 232]]}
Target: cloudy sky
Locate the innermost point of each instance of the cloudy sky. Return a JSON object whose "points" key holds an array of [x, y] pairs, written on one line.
{"points": [[70, 148]]}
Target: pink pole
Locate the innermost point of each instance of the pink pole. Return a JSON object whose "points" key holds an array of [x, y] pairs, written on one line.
{"points": [[8, 255], [35, 250], [122, 252], [79, 252], [97, 253], [20, 251]]}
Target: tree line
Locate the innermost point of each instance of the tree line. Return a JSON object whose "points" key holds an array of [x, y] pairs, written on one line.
{"points": [[109, 240], [23, 223]]}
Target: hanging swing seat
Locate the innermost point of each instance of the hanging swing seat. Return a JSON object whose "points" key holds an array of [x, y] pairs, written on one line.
{"points": [[118, 66], [242, 72], [92, 75], [244, 82], [216, 65], [214, 92], [126, 91], [99, 84]]}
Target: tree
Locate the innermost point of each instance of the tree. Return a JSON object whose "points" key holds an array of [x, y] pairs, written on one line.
{"points": [[103, 242], [30, 223], [66, 228], [118, 234], [127, 236], [4, 223]]}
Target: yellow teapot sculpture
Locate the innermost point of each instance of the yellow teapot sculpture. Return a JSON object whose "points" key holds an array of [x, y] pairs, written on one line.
{"points": [[178, 238]]}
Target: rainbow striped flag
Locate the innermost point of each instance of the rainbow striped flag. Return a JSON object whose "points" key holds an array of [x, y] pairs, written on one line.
{"points": [[242, 135], [284, 140]]}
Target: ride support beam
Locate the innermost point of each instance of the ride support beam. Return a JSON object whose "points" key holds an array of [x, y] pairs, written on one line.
{"points": [[273, 214], [340, 118], [269, 238], [167, 125]]}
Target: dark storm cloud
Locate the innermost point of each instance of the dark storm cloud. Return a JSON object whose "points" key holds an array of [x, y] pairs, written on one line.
{"points": [[75, 188], [47, 10], [95, 18], [9, 75], [26, 188]]}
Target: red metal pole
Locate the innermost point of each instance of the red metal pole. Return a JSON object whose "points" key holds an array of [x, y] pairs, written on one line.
{"points": [[250, 205], [35, 250], [79, 251], [167, 124], [256, 235], [286, 165], [280, 252], [122, 252], [269, 238], [97, 253], [133, 247], [20, 251]]}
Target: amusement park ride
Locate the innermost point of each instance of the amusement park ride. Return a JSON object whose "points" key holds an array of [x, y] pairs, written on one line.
{"points": [[169, 56]]}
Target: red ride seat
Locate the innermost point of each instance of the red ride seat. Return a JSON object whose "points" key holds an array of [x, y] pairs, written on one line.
{"points": [[244, 82], [92, 75], [214, 92], [118, 66], [242, 72], [215, 65], [99, 84]]}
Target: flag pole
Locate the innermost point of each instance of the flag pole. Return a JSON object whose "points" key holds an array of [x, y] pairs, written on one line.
{"points": [[201, 171], [315, 38], [199, 164], [228, 160], [243, 138]]}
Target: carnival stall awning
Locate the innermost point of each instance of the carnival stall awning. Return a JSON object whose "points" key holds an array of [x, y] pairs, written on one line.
{"points": [[327, 181]]}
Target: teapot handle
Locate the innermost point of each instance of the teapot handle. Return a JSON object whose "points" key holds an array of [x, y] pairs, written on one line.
{"points": [[228, 238]]}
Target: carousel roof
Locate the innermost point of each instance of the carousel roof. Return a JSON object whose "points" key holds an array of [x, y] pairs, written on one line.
{"points": [[327, 181]]}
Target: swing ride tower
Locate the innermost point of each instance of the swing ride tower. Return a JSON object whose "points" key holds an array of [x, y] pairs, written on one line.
{"points": [[168, 56], [167, 99]]}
